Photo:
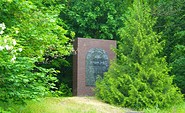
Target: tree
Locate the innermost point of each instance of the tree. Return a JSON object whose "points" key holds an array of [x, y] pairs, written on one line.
{"points": [[178, 65], [96, 18], [171, 22], [37, 24], [139, 77], [20, 78], [32, 27]]}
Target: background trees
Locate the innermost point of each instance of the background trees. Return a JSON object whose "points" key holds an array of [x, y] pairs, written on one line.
{"points": [[96, 18], [171, 22], [91, 19], [102, 18], [38, 36], [139, 77]]}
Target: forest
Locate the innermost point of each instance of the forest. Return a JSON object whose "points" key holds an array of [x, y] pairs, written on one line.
{"points": [[36, 50]]}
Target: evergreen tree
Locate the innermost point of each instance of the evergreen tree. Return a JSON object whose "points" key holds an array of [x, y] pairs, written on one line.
{"points": [[139, 77]]}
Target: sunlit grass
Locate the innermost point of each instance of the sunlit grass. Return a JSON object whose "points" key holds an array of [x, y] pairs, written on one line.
{"points": [[180, 108], [68, 105], [83, 105]]}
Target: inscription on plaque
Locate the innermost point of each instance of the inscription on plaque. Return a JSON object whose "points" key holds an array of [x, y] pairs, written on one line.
{"points": [[97, 62]]}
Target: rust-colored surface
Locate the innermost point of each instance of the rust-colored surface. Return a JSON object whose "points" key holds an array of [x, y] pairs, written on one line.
{"points": [[82, 46]]}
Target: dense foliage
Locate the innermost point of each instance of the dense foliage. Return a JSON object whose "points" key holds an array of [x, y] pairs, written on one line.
{"points": [[20, 78], [28, 19], [33, 37], [139, 77], [36, 36], [95, 18], [171, 21], [102, 18]]}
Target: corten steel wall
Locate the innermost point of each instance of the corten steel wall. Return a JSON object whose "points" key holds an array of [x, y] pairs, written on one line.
{"points": [[82, 46]]}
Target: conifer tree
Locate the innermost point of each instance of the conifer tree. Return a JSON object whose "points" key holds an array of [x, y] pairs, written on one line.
{"points": [[139, 77]]}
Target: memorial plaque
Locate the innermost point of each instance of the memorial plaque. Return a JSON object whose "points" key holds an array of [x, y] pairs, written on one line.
{"points": [[91, 58], [97, 62]]}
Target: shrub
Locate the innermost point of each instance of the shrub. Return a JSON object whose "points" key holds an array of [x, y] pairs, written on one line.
{"points": [[20, 78], [139, 77], [63, 91]]}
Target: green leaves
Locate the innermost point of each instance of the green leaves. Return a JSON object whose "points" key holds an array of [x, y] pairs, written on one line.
{"points": [[178, 65], [33, 36], [171, 22], [96, 19], [23, 80], [38, 25], [139, 77]]}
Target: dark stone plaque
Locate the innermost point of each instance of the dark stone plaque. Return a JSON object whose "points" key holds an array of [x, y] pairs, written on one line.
{"points": [[97, 62]]}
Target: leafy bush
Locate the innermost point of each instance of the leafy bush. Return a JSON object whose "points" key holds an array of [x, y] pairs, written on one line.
{"points": [[36, 29], [20, 78], [139, 77], [3, 111], [35, 25], [63, 91]]}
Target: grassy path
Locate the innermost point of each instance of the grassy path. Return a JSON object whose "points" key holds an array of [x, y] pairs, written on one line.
{"points": [[70, 105], [84, 105]]}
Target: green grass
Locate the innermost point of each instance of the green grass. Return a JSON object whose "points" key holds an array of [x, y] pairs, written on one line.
{"points": [[68, 105], [174, 109], [83, 105]]}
